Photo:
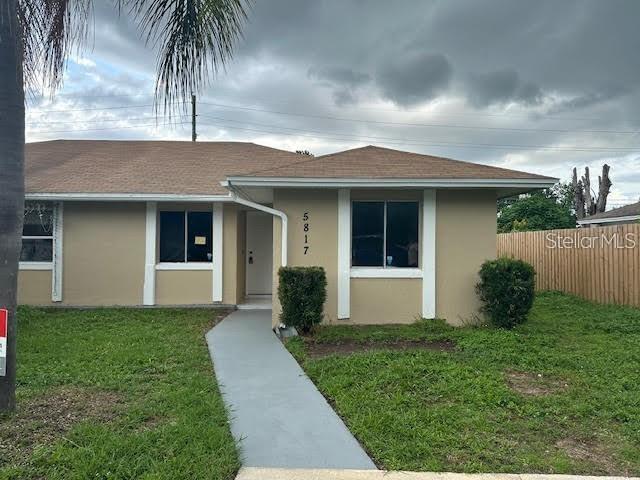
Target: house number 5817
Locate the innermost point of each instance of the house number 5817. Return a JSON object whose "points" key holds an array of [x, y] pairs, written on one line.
{"points": [[305, 227]]}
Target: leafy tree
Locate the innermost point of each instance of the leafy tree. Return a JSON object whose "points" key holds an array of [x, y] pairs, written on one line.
{"points": [[194, 38], [545, 210]]}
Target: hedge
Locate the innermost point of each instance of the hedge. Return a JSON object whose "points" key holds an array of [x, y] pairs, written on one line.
{"points": [[302, 292]]}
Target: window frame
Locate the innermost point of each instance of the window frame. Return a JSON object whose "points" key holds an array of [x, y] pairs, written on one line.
{"points": [[185, 265], [40, 264], [384, 270]]}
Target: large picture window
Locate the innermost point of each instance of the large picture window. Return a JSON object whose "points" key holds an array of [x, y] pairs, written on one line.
{"points": [[37, 233], [385, 234], [185, 237]]}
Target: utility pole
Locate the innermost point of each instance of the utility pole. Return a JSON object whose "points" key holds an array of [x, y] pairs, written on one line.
{"points": [[194, 135]]}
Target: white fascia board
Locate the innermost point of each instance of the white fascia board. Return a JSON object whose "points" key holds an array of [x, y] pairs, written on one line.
{"points": [[589, 221], [127, 197], [389, 182]]}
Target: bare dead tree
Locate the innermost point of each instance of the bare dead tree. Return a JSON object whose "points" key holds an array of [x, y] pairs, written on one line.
{"points": [[604, 187], [584, 202], [578, 195], [589, 201]]}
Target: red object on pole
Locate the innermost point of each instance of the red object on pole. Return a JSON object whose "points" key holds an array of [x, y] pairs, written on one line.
{"points": [[4, 317]]}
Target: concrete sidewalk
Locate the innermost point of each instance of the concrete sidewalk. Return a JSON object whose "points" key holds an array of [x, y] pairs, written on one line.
{"points": [[278, 417], [319, 474]]}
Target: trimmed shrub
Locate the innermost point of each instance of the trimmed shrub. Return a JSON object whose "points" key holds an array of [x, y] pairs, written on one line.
{"points": [[302, 292], [507, 288]]}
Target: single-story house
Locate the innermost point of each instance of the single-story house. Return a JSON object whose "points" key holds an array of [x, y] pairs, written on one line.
{"points": [[400, 235], [617, 216]]}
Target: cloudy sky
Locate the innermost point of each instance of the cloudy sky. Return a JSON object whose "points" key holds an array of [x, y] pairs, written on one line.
{"points": [[540, 86]]}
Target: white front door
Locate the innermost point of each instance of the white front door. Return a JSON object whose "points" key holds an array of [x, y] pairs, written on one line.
{"points": [[259, 253]]}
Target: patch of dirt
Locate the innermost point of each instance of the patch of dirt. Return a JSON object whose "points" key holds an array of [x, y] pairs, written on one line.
{"points": [[592, 452], [45, 419], [318, 350], [533, 384]]}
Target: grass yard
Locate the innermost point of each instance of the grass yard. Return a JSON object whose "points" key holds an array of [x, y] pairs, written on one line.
{"points": [[560, 394], [116, 393]]}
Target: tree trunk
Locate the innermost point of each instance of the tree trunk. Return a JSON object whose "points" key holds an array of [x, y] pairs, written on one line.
{"points": [[604, 187], [11, 182], [590, 207], [578, 195]]}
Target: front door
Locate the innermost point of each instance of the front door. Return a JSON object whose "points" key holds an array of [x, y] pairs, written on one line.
{"points": [[259, 253]]}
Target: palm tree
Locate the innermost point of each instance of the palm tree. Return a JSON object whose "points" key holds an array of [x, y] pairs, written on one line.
{"points": [[194, 38]]}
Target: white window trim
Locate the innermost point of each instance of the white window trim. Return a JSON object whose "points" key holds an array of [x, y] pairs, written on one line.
{"points": [[344, 253], [217, 236], [149, 288], [57, 261], [36, 266], [429, 254], [184, 266], [389, 272]]}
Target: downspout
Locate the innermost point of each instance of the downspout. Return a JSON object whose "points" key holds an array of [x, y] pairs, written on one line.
{"points": [[272, 211]]}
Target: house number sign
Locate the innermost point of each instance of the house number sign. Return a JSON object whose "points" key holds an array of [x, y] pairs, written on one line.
{"points": [[306, 228]]}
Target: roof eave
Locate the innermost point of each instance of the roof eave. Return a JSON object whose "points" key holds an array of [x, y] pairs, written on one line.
{"points": [[497, 183], [125, 197], [622, 218]]}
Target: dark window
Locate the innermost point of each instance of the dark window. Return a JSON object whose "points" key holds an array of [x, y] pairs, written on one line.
{"points": [[385, 234], [36, 250], [185, 237], [402, 234], [367, 234], [37, 233], [172, 237], [199, 237]]}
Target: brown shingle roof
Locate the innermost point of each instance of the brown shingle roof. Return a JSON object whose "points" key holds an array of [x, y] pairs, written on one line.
{"points": [[163, 167], [626, 211], [378, 163], [197, 168]]}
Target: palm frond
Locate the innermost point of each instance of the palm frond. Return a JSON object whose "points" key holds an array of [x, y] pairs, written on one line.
{"points": [[194, 38], [51, 30]]}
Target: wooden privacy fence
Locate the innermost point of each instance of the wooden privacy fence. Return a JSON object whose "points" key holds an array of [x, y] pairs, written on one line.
{"points": [[601, 264]]}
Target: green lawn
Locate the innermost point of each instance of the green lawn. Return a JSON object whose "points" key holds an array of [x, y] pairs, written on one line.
{"points": [[116, 393], [560, 394]]}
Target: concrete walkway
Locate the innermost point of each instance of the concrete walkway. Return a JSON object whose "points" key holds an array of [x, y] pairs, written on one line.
{"points": [[303, 474], [278, 417]]}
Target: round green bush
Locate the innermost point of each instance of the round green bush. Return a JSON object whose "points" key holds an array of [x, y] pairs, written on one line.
{"points": [[302, 292], [507, 289]]}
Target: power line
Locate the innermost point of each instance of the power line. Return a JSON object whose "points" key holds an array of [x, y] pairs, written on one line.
{"points": [[119, 107], [409, 124], [404, 141], [127, 119], [108, 128]]}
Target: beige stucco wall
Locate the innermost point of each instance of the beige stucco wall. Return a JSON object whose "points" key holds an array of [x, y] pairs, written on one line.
{"points": [[241, 266], [184, 287], [385, 300], [322, 207], [465, 238], [34, 287], [103, 253]]}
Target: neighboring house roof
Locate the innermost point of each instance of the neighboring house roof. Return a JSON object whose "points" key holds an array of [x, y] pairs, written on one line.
{"points": [[160, 167], [628, 212], [202, 168]]}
